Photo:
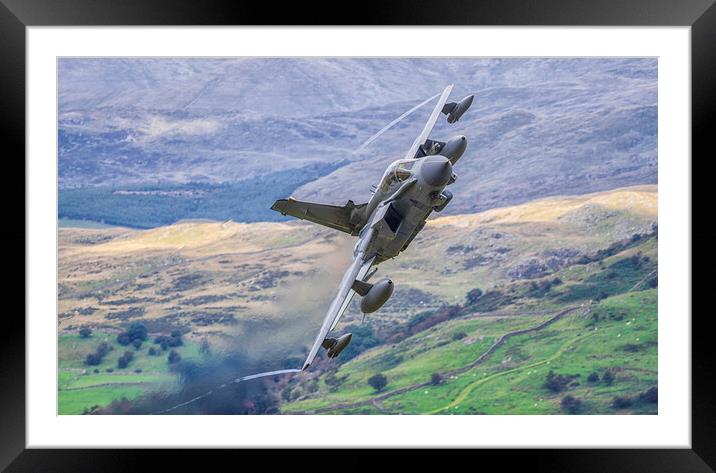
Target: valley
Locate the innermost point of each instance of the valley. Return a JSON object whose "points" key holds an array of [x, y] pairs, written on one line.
{"points": [[486, 306]]}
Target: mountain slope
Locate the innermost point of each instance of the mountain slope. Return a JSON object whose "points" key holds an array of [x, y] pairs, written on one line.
{"points": [[538, 127]]}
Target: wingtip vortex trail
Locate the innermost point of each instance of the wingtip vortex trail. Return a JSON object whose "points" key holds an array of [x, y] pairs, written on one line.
{"points": [[222, 386], [391, 124]]}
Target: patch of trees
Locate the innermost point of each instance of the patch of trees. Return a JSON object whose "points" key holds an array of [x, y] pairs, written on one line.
{"points": [[606, 313], [148, 206], [538, 289], [85, 332], [174, 357], [126, 314], [186, 282], [94, 359], [90, 410], [377, 382], [617, 247], [621, 402], [436, 379], [650, 396], [427, 319], [608, 378], [617, 278], [124, 360], [473, 295], [558, 382], [136, 331], [633, 347], [363, 339], [639, 261], [571, 404], [491, 301], [474, 261], [173, 340]]}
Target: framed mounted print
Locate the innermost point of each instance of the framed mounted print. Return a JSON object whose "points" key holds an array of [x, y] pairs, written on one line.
{"points": [[389, 234]]}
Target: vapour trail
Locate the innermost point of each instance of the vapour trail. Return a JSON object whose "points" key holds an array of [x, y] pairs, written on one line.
{"points": [[237, 380], [391, 124]]}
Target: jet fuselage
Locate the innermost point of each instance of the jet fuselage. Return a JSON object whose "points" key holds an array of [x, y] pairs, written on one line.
{"points": [[402, 202]]}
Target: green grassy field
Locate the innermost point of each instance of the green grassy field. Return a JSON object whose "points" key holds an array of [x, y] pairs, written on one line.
{"points": [[607, 325], [80, 388], [513, 381], [618, 334]]}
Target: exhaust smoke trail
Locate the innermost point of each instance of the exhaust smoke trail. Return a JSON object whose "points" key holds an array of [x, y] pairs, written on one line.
{"points": [[207, 387]]}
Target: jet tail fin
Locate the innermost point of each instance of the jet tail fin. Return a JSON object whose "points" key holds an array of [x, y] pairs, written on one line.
{"points": [[347, 218]]}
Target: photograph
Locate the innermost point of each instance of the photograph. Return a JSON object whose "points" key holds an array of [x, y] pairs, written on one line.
{"points": [[357, 235]]}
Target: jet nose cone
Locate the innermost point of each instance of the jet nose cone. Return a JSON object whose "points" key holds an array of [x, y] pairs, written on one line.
{"points": [[436, 171]]}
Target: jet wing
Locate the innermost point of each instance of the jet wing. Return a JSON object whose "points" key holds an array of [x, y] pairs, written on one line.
{"points": [[357, 270], [332, 216], [423, 136]]}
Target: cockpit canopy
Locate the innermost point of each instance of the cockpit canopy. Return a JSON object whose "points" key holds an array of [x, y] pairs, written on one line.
{"points": [[398, 171]]}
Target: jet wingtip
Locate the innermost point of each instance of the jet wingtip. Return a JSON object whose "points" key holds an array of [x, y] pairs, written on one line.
{"points": [[278, 205]]}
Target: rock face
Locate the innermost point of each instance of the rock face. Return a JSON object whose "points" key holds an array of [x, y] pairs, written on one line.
{"points": [[530, 269], [537, 127]]}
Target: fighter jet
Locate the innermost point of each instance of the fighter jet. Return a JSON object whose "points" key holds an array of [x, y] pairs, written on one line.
{"points": [[409, 191]]}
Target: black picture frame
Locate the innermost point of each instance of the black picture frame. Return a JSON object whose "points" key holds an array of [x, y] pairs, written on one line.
{"points": [[16, 15]]}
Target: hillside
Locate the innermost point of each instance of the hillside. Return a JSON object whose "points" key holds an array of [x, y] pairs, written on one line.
{"points": [[152, 141], [260, 290]]}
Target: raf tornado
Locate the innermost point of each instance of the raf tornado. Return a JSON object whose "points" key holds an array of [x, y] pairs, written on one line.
{"points": [[410, 189]]}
